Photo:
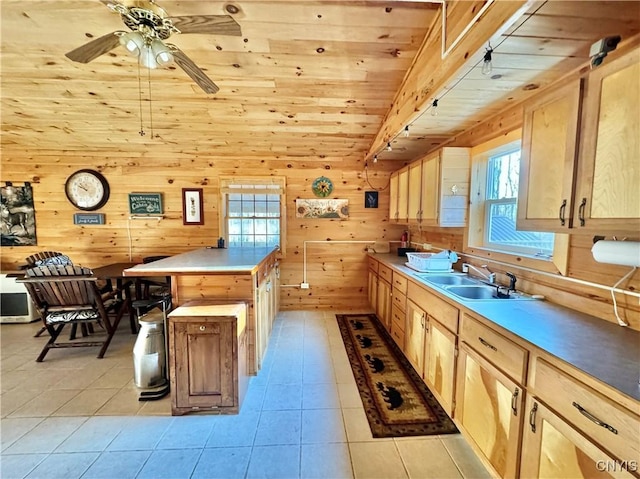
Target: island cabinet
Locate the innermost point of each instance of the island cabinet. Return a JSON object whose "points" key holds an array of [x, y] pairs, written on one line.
{"points": [[490, 395], [207, 351], [226, 276], [432, 326], [580, 150], [576, 431]]}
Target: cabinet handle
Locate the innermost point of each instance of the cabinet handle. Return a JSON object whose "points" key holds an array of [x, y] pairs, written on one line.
{"points": [[583, 205], [514, 401], [422, 320], [563, 207], [594, 419], [202, 328], [532, 417], [487, 344]]}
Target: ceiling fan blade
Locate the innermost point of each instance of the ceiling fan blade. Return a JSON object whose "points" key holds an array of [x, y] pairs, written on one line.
{"points": [[191, 69], [95, 48], [212, 24]]}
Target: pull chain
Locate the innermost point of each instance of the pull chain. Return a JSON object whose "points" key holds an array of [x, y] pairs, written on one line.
{"points": [[142, 133], [150, 112]]}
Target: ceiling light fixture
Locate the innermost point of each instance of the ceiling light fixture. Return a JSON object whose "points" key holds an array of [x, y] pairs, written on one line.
{"points": [[151, 52], [406, 132], [434, 108], [389, 146], [487, 67], [375, 158]]}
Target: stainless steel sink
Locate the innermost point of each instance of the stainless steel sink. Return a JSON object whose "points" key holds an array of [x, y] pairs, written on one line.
{"points": [[479, 292], [448, 279]]}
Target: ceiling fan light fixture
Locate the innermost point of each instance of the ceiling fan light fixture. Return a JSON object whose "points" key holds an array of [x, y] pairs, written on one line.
{"points": [[162, 53], [133, 42]]}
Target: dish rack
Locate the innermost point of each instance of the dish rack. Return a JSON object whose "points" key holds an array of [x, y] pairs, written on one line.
{"points": [[430, 262]]}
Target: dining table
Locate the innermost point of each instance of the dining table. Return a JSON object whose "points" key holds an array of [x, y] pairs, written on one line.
{"points": [[115, 272]]}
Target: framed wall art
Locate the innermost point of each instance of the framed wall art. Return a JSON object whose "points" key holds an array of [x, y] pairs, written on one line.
{"points": [[322, 208], [18, 215], [192, 213], [370, 199], [145, 203]]}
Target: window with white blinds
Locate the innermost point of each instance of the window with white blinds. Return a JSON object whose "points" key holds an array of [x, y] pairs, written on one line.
{"points": [[253, 212]]}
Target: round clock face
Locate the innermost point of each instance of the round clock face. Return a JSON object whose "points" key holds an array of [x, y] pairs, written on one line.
{"points": [[87, 190]]}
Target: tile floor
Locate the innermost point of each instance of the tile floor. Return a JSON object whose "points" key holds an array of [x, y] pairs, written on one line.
{"points": [[75, 416]]}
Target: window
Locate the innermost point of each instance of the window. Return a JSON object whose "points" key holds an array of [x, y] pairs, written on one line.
{"points": [[501, 197], [253, 212]]}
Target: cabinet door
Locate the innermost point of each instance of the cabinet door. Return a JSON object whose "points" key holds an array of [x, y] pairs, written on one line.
{"points": [[415, 188], [263, 312], [548, 158], [440, 363], [372, 290], [489, 411], [403, 196], [551, 448], [415, 334], [609, 193], [203, 364], [430, 190], [393, 198], [383, 309]]}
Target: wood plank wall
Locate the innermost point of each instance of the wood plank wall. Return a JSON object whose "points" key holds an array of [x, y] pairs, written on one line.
{"points": [[336, 272]]}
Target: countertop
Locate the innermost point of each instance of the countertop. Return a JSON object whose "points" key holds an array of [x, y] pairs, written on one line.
{"points": [[205, 261], [606, 351]]}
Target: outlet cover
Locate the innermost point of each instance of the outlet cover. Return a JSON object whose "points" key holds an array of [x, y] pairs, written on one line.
{"points": [[304, 285]]}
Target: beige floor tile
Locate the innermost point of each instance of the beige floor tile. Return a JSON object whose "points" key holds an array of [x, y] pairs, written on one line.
{"points": [[161, 407], [46, 403], [464, 457], [87, 403], [13, 429], [376, 460], [427, 457], [123, 403], [76, 379], [16, 398], [349, 395], [357, 427], [114, 378]]}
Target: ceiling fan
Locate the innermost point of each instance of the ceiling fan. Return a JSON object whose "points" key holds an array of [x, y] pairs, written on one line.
{"points": [[150, 25]]}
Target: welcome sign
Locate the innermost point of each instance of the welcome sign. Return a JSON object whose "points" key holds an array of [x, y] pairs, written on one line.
{"points": [[145, 203]]}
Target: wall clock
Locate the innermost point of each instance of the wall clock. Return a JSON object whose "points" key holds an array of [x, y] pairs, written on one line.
{"points": [[322, 186], [87, 190]]}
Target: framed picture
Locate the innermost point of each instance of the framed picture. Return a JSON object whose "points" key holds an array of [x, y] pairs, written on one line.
{"points": [[370, 199], [322, 208], [145, 203], [192, 206]]}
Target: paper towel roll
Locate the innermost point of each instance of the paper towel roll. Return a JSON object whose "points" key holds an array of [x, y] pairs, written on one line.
{"points": [[626, 253]]}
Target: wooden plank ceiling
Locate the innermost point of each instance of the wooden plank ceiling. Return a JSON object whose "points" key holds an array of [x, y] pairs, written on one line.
{"points": [[307, 79]]}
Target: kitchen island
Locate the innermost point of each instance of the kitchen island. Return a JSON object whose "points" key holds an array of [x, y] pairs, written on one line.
{"points": [[226, 276]]}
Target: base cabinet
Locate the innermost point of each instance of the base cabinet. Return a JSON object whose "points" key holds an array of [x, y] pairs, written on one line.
{"points": [[383, 304], [440, 364], [551, 448], [207, 351], [489, 410]]}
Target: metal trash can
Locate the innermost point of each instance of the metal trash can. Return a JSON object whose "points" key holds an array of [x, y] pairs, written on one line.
{"points": [[149, 353]]}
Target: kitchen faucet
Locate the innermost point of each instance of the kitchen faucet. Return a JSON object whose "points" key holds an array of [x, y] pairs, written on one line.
{"points": [[488, 276]]}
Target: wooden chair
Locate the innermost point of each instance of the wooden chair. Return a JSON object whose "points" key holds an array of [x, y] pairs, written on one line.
{"points": [[70, 295]]}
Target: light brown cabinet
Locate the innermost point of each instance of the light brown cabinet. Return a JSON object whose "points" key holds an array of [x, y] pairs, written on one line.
{"points": [[580, 149], [489, 408], [383, 304], [553, 449], [416, 336], [440, 363], [207, 351], [433, 191]]}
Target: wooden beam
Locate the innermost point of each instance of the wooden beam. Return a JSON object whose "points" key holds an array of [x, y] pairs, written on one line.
{"points": [[430, 72]]}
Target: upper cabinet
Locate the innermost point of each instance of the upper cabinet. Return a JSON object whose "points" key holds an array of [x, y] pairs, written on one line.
{"points": [[580, 165], [433, 191]]}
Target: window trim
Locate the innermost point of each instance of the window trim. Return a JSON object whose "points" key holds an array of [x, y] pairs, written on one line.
{"points": [[225, 189], [474, 233]]}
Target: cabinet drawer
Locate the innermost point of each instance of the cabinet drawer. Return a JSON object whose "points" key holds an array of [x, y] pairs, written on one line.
{"points": [[606, 423], [373, 264], [397, 318], [385, 273], [435, 307], [397, 326], [399, 300], [502, 352], [399, 283]]}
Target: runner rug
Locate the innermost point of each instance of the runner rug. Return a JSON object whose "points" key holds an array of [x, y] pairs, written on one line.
{"points": [[396, 400]]}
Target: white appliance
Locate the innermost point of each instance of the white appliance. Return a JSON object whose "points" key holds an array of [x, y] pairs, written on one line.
{"points": [[15, 304]]}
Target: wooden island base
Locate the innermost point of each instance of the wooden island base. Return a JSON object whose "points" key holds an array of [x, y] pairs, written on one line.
{"points": [[207, 351]]}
